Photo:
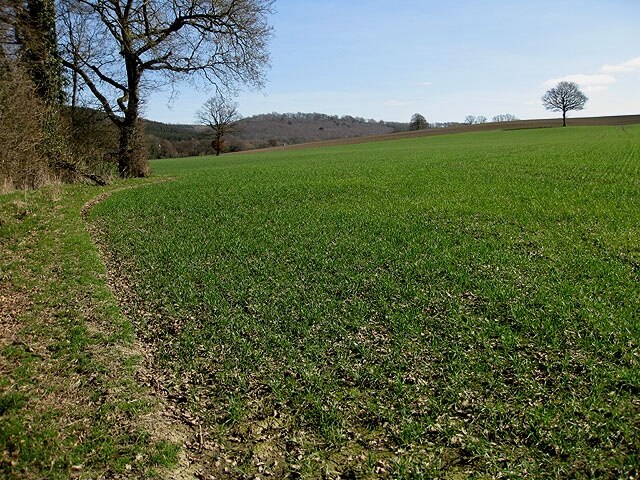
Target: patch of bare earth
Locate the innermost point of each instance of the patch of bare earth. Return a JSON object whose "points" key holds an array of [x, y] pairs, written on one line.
{"points": [[12, 305]]}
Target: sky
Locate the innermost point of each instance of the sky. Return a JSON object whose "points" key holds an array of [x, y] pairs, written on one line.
{"points": [[387, 60]]}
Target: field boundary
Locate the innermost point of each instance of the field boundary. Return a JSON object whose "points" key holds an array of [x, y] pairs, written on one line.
{"points": [[168, 421], [73, 400]]}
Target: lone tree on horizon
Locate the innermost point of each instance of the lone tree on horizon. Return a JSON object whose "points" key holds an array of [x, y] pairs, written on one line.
{"points": [[220, 115], [418, 122], [564, 97], [122, 49]]}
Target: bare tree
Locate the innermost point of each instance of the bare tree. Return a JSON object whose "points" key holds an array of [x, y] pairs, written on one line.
{"points": [[221, 115], [119, 49], [481, 119], [564, 97], [470, 119], [507, 117], [418, 122]]}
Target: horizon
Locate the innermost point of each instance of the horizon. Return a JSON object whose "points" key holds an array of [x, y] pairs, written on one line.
{"points": [[366, 60], [453, 123]]}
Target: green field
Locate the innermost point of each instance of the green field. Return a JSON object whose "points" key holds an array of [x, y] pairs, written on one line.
{"points": [[462, 306]]}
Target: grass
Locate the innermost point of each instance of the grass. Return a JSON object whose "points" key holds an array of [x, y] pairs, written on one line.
{"points": [[462, 307], [70, 404], [454, 307]]}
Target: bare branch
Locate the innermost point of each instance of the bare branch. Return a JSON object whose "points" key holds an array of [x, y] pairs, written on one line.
{"points": [[221, 115], [564, 97], [117, 48], [94, 89]]}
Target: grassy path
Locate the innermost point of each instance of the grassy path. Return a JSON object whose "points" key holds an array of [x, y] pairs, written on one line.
{"points": [[461, 306], [70, 401]]}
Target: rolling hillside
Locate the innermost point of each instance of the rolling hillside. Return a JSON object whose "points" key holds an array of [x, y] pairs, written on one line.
{"points": [[303, 130]]}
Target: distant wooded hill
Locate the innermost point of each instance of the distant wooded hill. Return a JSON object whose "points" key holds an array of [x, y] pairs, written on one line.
{"points": [[289, 129], [261, 131]]}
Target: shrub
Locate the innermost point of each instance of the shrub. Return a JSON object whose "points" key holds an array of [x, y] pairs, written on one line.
{"points": [[22, 132]]}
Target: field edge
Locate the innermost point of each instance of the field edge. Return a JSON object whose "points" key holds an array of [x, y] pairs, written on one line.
{"points": [[74, 402]]}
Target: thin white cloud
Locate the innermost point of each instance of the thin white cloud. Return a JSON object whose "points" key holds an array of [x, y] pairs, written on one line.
{"points": [[624, 67], [590, 83], [425, 84], [598, 82]]}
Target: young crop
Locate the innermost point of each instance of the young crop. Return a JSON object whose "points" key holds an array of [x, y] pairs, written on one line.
{"points": [[462, 305]]}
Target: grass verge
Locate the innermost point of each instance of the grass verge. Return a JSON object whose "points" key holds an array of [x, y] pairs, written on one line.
{"points": [[70, 404]]}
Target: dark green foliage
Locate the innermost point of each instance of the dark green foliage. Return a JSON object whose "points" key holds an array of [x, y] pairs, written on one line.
{"points": [[36, 34], [418, 122], [31, 94]]}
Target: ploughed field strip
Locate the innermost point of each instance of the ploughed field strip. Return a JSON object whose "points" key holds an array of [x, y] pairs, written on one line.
{"points": [[454, 305]]}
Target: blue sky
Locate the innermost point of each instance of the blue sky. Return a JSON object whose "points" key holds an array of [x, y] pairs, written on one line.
{"points": [[389, 59]]}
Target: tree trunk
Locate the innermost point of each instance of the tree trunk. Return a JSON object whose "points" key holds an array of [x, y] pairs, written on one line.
{"points": [[132, 156], [564, 118], [37, 35], [218, 144]]}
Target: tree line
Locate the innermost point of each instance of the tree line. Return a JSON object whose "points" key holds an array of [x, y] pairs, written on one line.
{"points": [[564, 97], [75, 73], [221, 116], [60, 55], [260, 131], [419, 122]]}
